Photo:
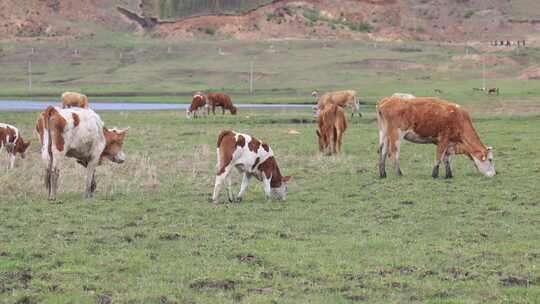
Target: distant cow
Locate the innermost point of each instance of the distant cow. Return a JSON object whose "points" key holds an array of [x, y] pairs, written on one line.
{"points": [[12, 141], [343, 99], [405, 96], [493, 91], [73, 99], [430, 120], [438, 91], [251, 157], [198, 105], [220, 100], [332, 126], [79, 134]]}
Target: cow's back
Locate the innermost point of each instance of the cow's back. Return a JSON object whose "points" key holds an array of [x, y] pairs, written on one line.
{"points": [[425, 116]]}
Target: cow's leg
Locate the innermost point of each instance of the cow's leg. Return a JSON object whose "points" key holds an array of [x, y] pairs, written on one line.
{"points": [[222, 110], [394, 143], [214, 109], [90, 180], [441, 151], [220, 178], [245, 183], [267, 188], [54, 174], [447, 165], [383, 152], [230, 193], [11, 160]]}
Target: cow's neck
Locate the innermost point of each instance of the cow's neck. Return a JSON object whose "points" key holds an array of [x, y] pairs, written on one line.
{"points": [[470, 142], [276, 176]]}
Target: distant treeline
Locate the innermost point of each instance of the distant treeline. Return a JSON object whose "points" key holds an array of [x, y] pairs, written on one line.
{"points": [[175, 9]]}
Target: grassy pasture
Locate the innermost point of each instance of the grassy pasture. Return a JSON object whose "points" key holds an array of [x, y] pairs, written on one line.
{"points": [[115, 66], [151, 236]]}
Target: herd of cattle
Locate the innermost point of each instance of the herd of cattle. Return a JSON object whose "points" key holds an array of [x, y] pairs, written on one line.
{"points": [[75, 131]]}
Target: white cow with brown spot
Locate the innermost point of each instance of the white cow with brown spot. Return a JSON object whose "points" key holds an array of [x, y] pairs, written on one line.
{"points": [[12, 141], [251, 157], [77, 133]]}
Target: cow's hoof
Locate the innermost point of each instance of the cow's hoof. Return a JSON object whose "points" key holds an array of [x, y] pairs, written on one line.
{"points": [[382, 175], [238, 200]]}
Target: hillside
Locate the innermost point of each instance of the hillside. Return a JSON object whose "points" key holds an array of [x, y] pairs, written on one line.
{"points": [[383, 20]]}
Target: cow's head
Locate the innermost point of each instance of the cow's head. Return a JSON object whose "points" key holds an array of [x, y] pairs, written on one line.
{"points": [[483, 160], [281, 191], [233, 110], [114, 142], [21, 146], [315, 94]]}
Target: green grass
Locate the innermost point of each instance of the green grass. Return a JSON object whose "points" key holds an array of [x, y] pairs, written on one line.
{"points": [[118, 66], [150, 235]]}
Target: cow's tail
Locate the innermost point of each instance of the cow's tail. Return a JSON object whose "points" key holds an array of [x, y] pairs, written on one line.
{"points": [[48, 125]]}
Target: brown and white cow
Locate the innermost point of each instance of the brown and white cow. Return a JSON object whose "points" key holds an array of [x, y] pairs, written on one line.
{"points": [[220, 100], [73, 99], [12, 141], [343, 99], [80, 134], [332, 126], [251, 157], [198, 105], [430, 120]]}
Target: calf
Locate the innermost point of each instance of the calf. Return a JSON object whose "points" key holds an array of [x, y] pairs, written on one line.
{"points": [[252, 158], [73, 99], [198, 103], [332, 126], [340, 98], [11, 139], [220, 100], [430, 120], [79, 134]]}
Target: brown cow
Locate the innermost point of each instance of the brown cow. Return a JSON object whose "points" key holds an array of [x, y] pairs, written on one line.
{"points": [[79, 134], [220, 100], [73, 99], [332, 126], [430, 120], [198, 103], [341, 98], [11, 139], [493, 91]]}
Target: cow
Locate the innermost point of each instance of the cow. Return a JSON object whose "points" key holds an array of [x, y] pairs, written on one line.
{"points": [[430, 120], [252, 158], [332, 126], [493, 91], [73, 99], [12, 141], [220, 100], [438, 91], [80, 134], [198, 105], [341, 98], [404, 96]]}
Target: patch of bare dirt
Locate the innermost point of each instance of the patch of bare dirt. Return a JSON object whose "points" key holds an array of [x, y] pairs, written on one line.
{"points": [[207, 284], [532, 73]]}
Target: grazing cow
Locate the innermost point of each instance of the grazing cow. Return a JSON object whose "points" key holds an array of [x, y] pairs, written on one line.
{"points": [[79, 134], [332, 126], [220, 100], [405, 96], [493, 91], [479, 89], [73, 99], [198, 104], [430, 120], [251, 157], [11, 139], [438, 91], [341, 98]]}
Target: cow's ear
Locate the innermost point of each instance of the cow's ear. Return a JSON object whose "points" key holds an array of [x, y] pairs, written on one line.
{"points": [[27, 144], [287, 179], [124, 131]]}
